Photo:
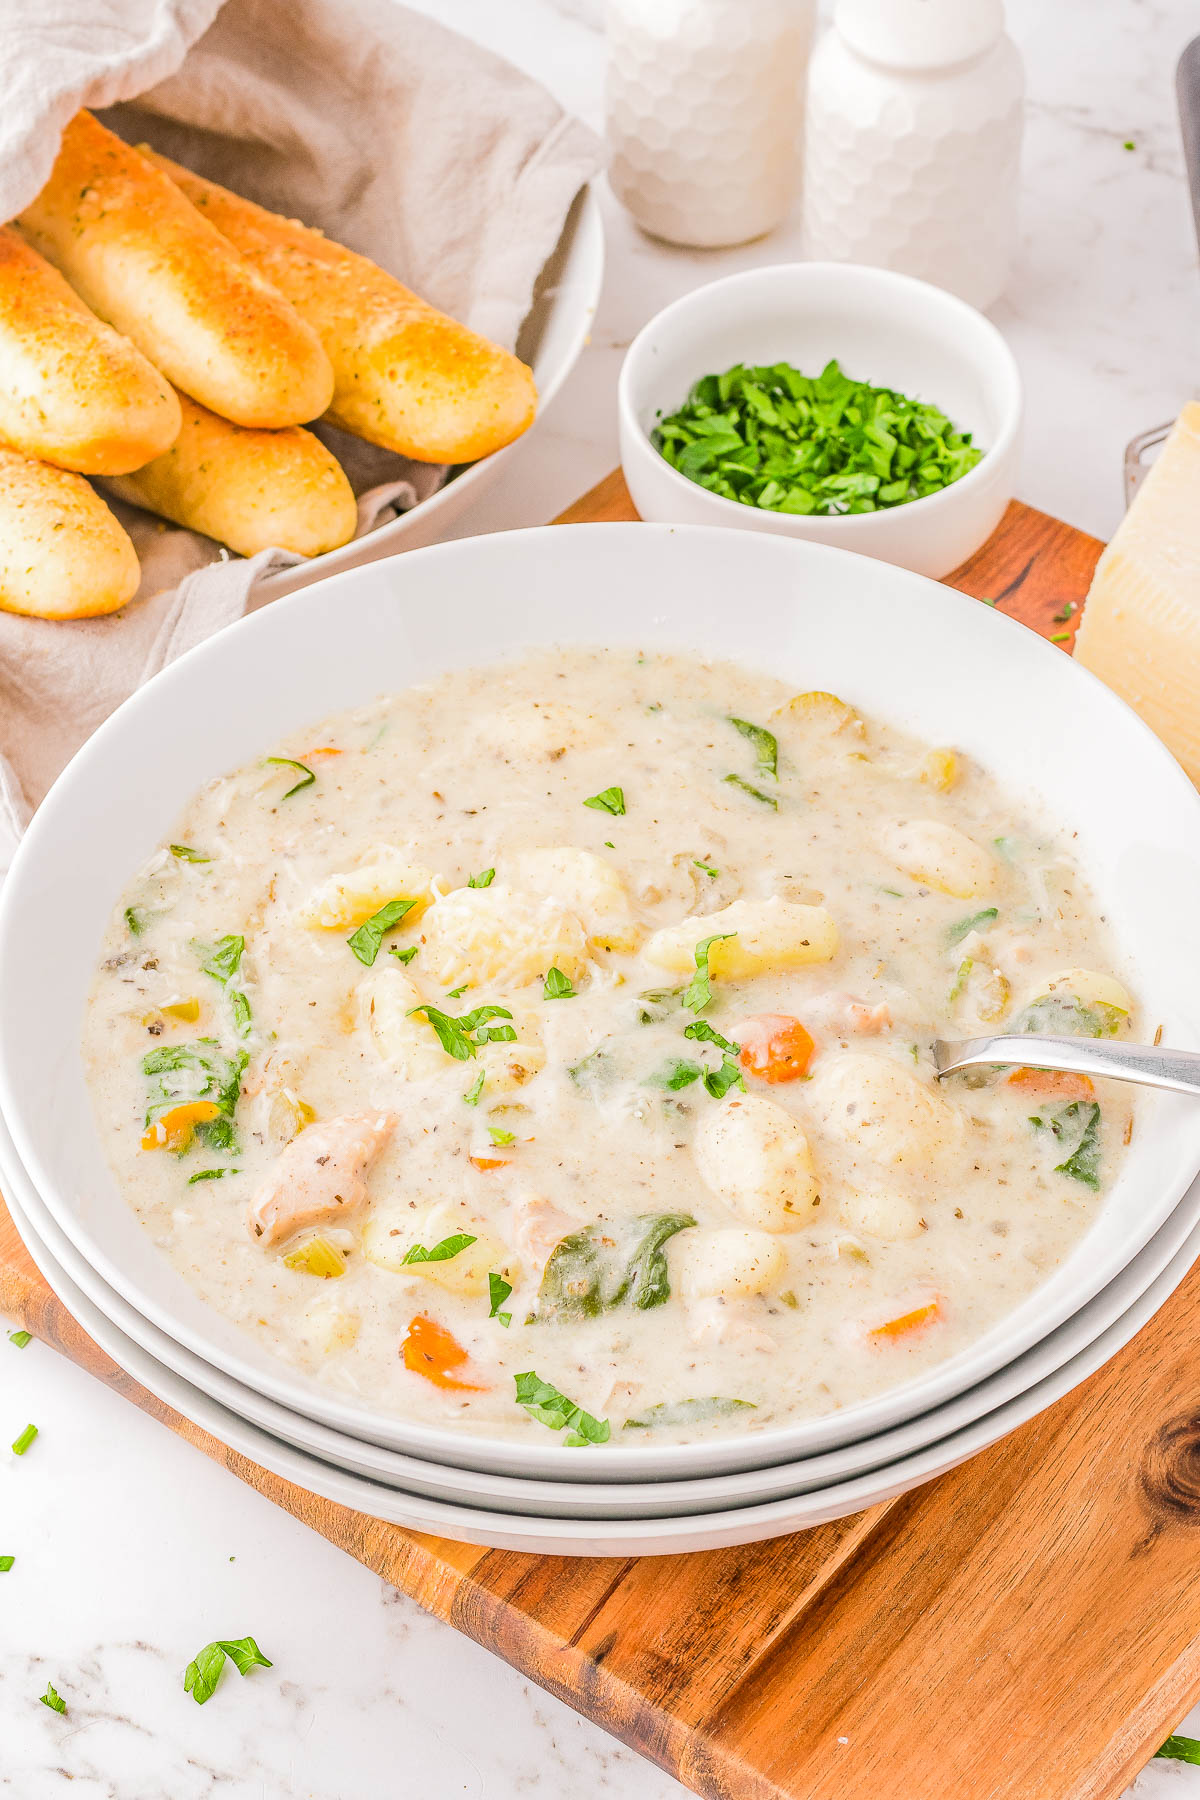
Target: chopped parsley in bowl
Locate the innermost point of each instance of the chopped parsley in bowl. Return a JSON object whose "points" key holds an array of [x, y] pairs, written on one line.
{"points": [[775, 438]]}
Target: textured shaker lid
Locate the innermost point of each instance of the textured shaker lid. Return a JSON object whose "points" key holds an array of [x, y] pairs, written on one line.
{"points": [[920, 34]]}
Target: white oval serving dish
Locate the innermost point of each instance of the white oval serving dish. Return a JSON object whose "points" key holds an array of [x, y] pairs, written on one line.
{"points": [[919, 656], [888, 329]]}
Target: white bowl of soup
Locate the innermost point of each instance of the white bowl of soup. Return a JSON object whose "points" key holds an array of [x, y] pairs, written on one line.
{"points": [[486, 1004]]}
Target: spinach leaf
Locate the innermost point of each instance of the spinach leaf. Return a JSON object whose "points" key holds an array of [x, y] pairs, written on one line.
{"points": [[766, 746], [1079, 1126], [202, 1674], [443, 1252], [557, 986], [461, 1037], [755, 793], [609, 800], [498, 1292], [963, 927], [698, 993], [657, 1003], [701, 1029], [222, 961], [196, 1071], [675, 1075], [290, 762], [368, 939], [545, 1404], [687, 1412], [1065, 1015], [482, 880], [607, 1265], [719, 1081]]}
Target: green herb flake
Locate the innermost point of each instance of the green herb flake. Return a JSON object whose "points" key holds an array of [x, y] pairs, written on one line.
{"points": [[449, 1248], [705, 868], [289, 762], [1077, 1125], [774, 438], [1178, 1748], [202, 1674], [53, 1699], [211, 1175], [961, 977], [6, 1563], [482, 880], [557, 986], [747, 787], [703, 1032], [367, 941], [500, 1137], [545, 1404], [609, 800], [1130, 145], [498, 1292], [136, 920], [977, 922], [687, 1412], [1061, 618], [1060, 637], [22, 1443], [20, 1338], [698, 993], [676, 1074], [185, 853], [471, 1097], [766, 746], [403, 956], [718, 1082], [458, 992]]}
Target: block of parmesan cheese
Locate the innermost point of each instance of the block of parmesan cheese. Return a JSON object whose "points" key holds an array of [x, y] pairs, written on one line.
{"points": [[1140, 631]]}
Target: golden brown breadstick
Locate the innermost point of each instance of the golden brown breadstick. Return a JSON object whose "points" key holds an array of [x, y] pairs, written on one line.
{"points": [[406, 376], [62, 553], [141, 256], [72, 390], [248, 489]]}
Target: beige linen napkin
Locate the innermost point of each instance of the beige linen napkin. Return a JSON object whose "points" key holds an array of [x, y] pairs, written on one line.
{"points": [[403, 140]]}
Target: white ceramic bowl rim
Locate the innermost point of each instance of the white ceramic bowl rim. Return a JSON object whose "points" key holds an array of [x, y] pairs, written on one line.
{"points": [[816, 607], [987, 339]]}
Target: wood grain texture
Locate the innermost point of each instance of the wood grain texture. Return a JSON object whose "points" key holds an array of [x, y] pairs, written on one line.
{"points": [[1024, 1628]]}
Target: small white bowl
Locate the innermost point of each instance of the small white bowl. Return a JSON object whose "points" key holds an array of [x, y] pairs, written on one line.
{"points": [[881, 327]]}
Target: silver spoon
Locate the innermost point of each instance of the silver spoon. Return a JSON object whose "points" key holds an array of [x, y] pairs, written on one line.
{"points": [[1150, 1064]]}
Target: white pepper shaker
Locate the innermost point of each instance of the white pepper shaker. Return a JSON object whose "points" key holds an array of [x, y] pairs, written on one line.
{"points": [[913, 142], [704, 102]]}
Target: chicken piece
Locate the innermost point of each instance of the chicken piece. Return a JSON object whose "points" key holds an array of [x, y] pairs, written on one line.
{"points": [[716, 1322], [538, 1226], [321, 1177], [848, 1016]]}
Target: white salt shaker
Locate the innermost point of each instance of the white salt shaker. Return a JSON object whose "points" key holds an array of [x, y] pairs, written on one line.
{"points": [[913, 142], [704, 102]]}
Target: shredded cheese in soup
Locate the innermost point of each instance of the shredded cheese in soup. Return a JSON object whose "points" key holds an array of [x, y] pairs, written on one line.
{"points": [[547, 1049]]}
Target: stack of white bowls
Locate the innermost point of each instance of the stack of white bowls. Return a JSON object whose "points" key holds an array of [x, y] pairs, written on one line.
{"points": [[898, 646]]}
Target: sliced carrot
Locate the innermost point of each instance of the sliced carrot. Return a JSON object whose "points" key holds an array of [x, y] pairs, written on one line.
{"points": [[1053, 1082], [174, 1130], [905, 1322], [775, 1047], [489, 1162], [321, 750], [432, 1351]]}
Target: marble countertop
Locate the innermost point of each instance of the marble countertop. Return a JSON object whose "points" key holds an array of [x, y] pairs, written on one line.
{"points": [[132, 1550]]}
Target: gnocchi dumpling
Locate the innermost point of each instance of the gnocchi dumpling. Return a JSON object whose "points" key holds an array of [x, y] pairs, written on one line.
{"points": [[754, 1155], [877, 1106], [501, 936], [404, 1039], [587, 886], [939, 856], [536, 729], [880, 1214], [393, 1232], [344, 901], [757, 935], [1090, 987], [732, 1263]]}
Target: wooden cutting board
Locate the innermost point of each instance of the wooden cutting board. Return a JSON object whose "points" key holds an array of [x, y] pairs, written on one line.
{"points": [[1026, 1627]]}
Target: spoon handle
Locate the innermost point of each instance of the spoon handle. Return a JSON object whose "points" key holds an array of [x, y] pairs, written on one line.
{"points": [[1151, 1064]]}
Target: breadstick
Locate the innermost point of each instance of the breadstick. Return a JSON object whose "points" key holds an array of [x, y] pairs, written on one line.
{"points": [[62, 553], [141, 256], [73, 391], [248, 489], [406, 376]]}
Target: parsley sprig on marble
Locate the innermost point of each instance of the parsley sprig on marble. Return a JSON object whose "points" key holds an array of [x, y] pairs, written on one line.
{"points": [[775, 438]]}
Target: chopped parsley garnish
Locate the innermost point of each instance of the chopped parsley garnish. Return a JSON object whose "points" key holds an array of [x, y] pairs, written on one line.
{"points": [[609, 800], [1178, 1748], [775, 438], [222, 961], [290, 762], [719, 1081], [443, 1252], [557, 986], [461, 1037], [701, 1029], [211, 1175], [1079, 1126], [202, 1674], [476, 1088], [22, 1443], [53, 1699], [500, 1137], [545, 1404], [976, 922], [368, 939], [485, 879], [1061, 618], [748, 787], [404, 956], [766, 747], [185, 853], [498, 1292], [6, 1563], [677, 1074], [706, 867], [1060, 637], [20, 1338], [698, 993], [458, 992]]}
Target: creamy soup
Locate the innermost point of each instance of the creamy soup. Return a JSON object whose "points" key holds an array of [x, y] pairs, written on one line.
{"points": [[547, 1048]]}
